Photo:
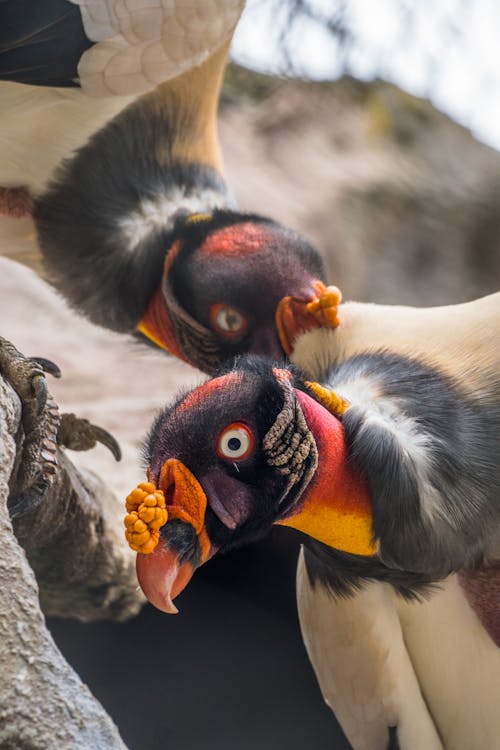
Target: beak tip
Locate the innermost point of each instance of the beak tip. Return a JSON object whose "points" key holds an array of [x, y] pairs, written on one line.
{"points": [[162, 578], [170, 607]]}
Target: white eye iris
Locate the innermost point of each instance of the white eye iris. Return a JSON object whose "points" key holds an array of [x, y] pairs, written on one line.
{"points": [[235, 442], [227, 320]]}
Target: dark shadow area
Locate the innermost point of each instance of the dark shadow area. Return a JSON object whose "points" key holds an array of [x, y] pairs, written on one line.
{"points": [[229, 671]]}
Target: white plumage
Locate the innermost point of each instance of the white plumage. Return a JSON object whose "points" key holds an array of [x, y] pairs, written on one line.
{"points": [[138, 45], [427, 667], [142, 44], [462, 340]]}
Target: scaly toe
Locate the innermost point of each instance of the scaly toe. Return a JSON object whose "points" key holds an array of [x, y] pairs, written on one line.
{"points": [[37, 449], [79, 434]]}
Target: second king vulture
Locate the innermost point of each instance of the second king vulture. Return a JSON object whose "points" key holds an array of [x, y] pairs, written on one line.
{"points": [[108, 139], [388, 463]]}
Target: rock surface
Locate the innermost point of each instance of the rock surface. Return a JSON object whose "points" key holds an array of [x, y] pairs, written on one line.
{"points": [[401, 201], [43, 703]]}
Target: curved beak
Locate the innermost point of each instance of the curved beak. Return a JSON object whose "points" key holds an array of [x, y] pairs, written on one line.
{"points": [[297, 315], [162, 577]]}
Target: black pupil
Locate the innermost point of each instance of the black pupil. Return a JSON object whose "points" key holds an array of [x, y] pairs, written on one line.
{"points": [[234, 444], [232, 320]]}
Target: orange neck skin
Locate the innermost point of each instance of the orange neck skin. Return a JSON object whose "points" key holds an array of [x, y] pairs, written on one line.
{"points": [[337, 508], [156, 322]]}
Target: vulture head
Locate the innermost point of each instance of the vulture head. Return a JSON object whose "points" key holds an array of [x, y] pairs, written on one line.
{"points": [[253, 447], [237, 283]]}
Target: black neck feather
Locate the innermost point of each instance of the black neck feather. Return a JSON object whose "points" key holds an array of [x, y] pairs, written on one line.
{"points": [[344, 574], [106, 221]]}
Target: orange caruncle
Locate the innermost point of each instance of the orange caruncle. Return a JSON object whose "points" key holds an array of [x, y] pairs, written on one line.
{"points": [[147, 513]]}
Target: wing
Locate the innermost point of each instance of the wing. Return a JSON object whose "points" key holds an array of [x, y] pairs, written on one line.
{"points": [[109, 47], [364, 671], [139, 45], [41, 43], [457, 663]]}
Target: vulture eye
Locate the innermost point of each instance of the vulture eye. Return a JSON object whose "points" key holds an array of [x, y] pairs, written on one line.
{"points": [[235, 442], [227, 320]]}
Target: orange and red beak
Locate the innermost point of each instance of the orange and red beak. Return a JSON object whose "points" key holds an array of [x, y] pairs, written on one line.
{"points": [[296, 315], [166, 560], [162, 576]]}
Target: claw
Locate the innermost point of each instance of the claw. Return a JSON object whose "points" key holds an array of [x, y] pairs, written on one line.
{"points": [[80, 435], [48, 366], [40, 422], [29, 500], [107, 439], [40, 391]]}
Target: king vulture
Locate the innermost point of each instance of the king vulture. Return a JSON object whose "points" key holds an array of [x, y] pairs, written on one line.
{"points": [[388, 464], [135, 224]]}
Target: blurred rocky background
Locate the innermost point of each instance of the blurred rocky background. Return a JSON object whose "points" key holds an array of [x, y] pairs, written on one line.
{"points": [[401, 201], [403, 204]]}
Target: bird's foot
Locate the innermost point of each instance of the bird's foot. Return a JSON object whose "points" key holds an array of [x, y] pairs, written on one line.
{"points": [[37, 459], [297, 316], [43, 429], [80, 435], [16, 202]]}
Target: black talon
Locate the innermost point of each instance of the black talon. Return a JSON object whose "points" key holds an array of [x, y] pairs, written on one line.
{"points": [[47, 366], [40, 391], [28, 500], [37, 448], [80, 435], [107, 439]]}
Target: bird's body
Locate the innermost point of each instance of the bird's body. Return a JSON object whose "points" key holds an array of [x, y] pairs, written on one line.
{"points": [[115, 203], [108, 48], [388, 464], [67, 68], [429, 666], [426, 667], [117, 148], [39, 127]]}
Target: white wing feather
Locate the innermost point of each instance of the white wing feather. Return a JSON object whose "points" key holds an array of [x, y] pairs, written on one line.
{"points": [[365, 673], [141, 43], [457, 665]]}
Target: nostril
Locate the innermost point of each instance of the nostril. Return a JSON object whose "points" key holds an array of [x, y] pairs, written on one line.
{"points": [[169, 494]]}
